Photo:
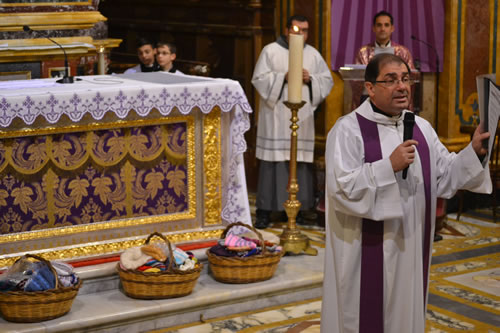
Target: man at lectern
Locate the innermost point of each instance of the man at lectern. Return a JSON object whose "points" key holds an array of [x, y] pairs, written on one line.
{"points": [[383, 27], [273, 131]]}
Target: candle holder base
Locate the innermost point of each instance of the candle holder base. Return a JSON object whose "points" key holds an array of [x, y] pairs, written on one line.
{"points": [[293, 241]]}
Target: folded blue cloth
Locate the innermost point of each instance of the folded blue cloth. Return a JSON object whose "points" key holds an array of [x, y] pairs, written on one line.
{"points": [[42, 279]]}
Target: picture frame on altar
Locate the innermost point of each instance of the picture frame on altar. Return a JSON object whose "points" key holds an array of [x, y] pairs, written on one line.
{"points": [[16, 75], [58, 72]]}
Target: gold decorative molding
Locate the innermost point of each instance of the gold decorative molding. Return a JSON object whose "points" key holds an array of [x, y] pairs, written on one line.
{"points": [[47, 3], [455, 144], [212, 166], [50, 20], [19, 50], [89, 250], [108, 43]]}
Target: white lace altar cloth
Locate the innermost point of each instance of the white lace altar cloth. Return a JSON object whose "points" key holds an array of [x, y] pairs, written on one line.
{"points": [[141, 92]]}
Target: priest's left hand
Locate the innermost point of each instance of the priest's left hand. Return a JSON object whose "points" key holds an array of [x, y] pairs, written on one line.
{"points": [[477, 139]]}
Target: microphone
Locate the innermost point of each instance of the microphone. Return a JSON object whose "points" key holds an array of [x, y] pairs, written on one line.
{"points": [[408, 122], [66, 78], [437, 75], [431, 47]]}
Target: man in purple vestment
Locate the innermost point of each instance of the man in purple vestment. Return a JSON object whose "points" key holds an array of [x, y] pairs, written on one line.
{"points": [[383, 27], [379, 218]]}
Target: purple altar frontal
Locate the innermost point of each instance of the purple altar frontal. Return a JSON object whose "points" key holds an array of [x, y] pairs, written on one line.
{"points": [[90, 169]]}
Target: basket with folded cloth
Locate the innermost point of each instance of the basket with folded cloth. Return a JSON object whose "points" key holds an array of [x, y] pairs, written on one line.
{"points": [[155, 271], [243, 260], [34, 291]]}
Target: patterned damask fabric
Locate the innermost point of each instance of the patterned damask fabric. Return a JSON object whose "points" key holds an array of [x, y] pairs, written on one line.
{"points": [[80, 178]]}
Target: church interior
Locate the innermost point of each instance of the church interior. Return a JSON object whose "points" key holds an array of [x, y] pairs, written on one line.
{"points": [[95, 162]]}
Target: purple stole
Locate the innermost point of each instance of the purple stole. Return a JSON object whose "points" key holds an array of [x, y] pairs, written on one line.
{"points": [[371, 307]]}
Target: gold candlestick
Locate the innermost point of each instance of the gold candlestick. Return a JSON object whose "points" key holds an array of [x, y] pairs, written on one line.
{"points": [[291, 239]]}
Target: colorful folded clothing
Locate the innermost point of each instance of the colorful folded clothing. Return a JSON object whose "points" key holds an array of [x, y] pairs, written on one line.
{"points": [[221, 250], [133, 258], [180, 256], [257, 241], [65, 273], [42, 279], [236, 241], [153, 263]]}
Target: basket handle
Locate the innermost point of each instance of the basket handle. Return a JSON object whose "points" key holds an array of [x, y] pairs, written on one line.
{"points": [[170, 254], [263, 245], [46, 262]]}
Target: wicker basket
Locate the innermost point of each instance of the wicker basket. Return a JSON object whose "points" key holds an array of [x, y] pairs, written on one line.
{"points": [[247, 269], [36, 306], [168, 284]]}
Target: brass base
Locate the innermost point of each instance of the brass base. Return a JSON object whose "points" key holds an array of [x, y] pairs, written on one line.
{"points": [[294, 242]]}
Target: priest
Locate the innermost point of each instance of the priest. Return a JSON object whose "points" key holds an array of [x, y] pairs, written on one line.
{"points": [[383, 27], [381, 218], [273, 129]]}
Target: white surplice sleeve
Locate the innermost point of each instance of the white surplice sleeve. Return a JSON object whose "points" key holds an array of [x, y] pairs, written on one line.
{"points": [[457, 171], [268, 82], [321, 81], [367, 190]]}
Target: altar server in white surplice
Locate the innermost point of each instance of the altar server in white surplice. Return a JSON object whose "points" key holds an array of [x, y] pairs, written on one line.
{"points": [[273, 129], [380, 224]]}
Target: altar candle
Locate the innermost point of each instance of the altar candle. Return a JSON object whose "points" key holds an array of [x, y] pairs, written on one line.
{"points": [[101, 61], [295, 54]]}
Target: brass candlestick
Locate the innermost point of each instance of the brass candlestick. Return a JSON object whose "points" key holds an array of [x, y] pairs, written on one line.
{"points": [[291, 239]]}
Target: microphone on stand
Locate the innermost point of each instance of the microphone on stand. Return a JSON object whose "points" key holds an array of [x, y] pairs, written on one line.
{"points": [[66, 78], [431, 47], [408, 123], [437, 74]]}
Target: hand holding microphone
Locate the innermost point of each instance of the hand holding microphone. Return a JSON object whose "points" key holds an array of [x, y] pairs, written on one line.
{"points": [[404, 154]]}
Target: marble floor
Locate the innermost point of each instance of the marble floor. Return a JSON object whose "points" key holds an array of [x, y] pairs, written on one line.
{"points": [[464, 286]]}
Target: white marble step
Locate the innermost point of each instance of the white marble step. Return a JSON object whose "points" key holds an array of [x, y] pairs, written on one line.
{"points": [[101, 307]]}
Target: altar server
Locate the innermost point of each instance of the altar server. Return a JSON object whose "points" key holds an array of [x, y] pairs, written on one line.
{"points": [[273, 129], [146, 53], [379, 223], [165, 57]]}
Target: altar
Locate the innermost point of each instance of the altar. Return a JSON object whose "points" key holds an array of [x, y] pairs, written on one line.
{"points": [[91, 168]]}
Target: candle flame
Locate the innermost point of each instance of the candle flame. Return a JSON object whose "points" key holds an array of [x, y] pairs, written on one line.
{"points": [[295, 29]]}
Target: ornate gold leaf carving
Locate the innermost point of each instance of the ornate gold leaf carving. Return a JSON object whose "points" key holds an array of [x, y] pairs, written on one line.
{"points": [[212, 166]]}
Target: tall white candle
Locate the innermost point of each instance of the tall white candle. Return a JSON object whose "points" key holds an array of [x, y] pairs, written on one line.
{"points": [[295, 54], [101, 61]]}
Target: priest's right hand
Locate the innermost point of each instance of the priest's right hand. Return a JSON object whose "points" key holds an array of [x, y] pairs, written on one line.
{"points": [[403, 155]]}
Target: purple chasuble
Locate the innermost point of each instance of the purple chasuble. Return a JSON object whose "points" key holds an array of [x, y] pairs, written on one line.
{"points": [[371, 307]]}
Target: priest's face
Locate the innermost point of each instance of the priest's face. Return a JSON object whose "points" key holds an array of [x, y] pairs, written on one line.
{"points": [[391, 92], [146, 54], [300, 28], [383, 29]]}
